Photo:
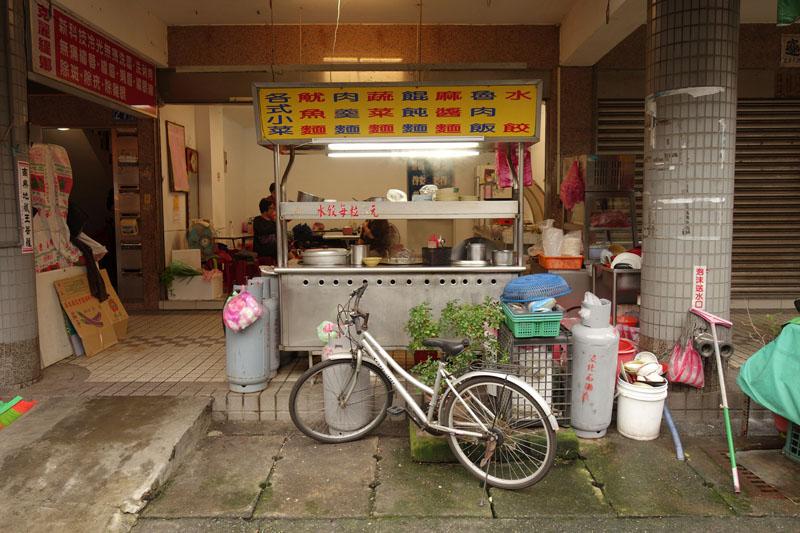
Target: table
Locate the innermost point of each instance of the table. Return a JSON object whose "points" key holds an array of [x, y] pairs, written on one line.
{"points": [[233, 238], [630, 281]]}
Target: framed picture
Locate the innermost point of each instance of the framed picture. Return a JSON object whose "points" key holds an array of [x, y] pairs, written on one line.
{"points": [[191, 160], [176, 153]]}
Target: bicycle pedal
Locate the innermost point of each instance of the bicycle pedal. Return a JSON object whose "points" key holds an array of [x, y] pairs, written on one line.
{"points": [[396, 410]]}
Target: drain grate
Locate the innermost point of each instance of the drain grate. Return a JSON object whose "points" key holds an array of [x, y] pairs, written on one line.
{"points": [[754, 486]]}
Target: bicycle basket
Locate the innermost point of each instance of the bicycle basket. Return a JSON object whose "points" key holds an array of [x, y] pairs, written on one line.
{"points": [[534, 287]]}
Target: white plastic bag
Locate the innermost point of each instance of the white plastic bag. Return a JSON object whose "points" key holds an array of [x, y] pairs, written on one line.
{"points": [[572, 244], [551, 241]]}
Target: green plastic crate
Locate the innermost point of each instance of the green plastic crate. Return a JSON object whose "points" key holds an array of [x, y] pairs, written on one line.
{"points": [[533, 324], [792, 447]]}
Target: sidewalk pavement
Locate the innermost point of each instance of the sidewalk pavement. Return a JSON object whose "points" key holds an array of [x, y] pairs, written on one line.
{"points": [[269, 477]]}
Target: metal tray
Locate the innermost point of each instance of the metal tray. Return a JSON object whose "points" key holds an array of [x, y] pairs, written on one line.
{"points": [[466, 263]]}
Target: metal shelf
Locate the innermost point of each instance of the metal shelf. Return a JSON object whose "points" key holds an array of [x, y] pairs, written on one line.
{"points": [[397, 210]]}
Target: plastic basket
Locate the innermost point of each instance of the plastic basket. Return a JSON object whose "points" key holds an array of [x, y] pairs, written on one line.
{"points": [[792, 447], [566, 262], [532, 324]]}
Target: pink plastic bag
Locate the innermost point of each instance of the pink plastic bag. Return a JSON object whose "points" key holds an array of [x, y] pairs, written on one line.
{"points": [[241, 311], [504, 174], [686, 366]]}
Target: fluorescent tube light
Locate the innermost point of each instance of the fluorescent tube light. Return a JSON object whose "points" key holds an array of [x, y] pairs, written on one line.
{"points": [[402, 146], [408, 153], [426, 140]]}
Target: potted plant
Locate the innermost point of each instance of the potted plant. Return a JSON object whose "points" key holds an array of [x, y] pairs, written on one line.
{"points": [[478, 322], [421, 325]]}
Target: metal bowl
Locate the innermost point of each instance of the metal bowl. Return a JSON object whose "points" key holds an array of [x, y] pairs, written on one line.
{"points": [[308, 197]]}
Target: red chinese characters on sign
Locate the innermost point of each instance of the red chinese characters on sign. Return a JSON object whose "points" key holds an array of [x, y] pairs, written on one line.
{"points": [[69, 51], [699, 277], [344, 211]]}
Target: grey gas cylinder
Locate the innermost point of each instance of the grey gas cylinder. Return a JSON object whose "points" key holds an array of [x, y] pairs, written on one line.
{"points": [[595, 346], [247, 363]]}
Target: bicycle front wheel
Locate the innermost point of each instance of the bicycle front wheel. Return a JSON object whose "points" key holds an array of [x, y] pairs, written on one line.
{"points": [[525, 445], [332, 403]]}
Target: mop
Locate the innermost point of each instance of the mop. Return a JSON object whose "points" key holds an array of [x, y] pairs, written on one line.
{"points": [[10, 411], [702, 318]]}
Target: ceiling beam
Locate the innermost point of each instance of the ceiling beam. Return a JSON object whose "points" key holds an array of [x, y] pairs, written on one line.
{"points": [[586, 35]]}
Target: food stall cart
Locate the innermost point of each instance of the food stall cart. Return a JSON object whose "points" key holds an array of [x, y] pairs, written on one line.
{"points": [[296, 114]]}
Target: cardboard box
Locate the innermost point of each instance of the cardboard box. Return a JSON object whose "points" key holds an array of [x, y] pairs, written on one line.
{"points": [[190, 257], [113, 306], [56, 344], [197, 288], [92, 322]]}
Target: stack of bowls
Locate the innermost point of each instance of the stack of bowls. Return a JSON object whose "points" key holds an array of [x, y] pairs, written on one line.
{"points": [[449, 194]]}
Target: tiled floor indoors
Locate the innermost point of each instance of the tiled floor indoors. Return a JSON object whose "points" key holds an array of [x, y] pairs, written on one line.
{"points": [[183, 353]]}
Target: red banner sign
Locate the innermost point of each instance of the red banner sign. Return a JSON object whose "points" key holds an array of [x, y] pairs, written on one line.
{"points": [[68, 51]]}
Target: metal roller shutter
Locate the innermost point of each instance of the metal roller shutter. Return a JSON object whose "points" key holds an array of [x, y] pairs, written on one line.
{"points": [[766, 215]]}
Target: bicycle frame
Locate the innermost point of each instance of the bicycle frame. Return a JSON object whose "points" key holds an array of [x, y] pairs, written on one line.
{"points": [[386, 363]]}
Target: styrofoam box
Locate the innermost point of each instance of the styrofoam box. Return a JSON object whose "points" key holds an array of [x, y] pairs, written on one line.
{"points": [[190, 257], [196, 288]]}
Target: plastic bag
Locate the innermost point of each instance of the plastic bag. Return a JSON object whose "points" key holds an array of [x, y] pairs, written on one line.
{"points": [[504, 173], [241, 310], [572, 244], [551, 241], [686, 366], [572, 188], [326, 331]]}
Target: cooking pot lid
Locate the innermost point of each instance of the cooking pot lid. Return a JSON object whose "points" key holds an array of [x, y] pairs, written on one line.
{"points": [[325, 252]]}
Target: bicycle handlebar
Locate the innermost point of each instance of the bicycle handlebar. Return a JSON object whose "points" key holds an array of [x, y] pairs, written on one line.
{"points": [[355, 312]]}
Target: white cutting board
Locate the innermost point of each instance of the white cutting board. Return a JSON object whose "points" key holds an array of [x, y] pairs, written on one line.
{"points": [[54, 343]]}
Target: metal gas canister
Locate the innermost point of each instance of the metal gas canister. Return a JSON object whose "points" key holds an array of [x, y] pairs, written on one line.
{"points": [[595, 346]]}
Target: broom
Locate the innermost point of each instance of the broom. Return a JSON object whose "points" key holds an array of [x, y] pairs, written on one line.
{"points": [[10, 411], [712, 322]]}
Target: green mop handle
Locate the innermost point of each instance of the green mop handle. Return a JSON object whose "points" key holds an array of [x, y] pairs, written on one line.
{"points": [[734, 472]]}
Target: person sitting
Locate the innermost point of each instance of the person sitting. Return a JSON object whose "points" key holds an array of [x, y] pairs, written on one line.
{"points": [[265, 241], [376, 234]]}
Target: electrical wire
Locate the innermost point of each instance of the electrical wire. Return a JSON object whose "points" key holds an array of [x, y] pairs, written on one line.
{"points": [[335, 33]]}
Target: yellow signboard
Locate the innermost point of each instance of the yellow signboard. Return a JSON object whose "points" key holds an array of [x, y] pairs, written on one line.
{"points": [[496, 112]]}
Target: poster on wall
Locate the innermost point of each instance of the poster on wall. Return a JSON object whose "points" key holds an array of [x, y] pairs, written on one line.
{"points": [[421, 172], [66, 50], [25, 212], [176, 148]]}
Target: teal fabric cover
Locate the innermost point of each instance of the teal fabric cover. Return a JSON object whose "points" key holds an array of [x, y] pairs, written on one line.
{"points": [[771, 376]]}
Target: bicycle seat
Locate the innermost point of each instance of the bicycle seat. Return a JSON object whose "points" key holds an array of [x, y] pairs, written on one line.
{"points": [[447, 347]]}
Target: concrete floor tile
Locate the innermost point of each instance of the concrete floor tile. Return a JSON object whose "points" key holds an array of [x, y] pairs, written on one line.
{"points": [[314, 480], [409, 489], [645, 479], [566, 491], [224, 477]]}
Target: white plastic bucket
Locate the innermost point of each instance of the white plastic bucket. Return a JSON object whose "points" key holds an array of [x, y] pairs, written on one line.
{"points": [[639, 410]]}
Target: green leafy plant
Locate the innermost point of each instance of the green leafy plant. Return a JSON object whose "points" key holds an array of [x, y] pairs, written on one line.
{"points": [[478, 322], [177, 269], [421, 325]]}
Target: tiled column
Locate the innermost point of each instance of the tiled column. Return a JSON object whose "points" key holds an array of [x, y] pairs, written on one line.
{"points": [[19, 340], [690, 132]]}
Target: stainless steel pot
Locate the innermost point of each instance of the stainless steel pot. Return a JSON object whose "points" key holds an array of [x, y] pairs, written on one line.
{"points": [[357, 253], [308, 197], [325, 257], [503, 258], [476, 251]]}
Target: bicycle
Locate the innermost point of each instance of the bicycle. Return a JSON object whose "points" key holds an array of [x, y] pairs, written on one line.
{"points": [[497, 426]]}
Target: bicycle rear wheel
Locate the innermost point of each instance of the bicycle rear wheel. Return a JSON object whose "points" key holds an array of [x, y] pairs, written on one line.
{"points": [[526, 444], [315, 403]]}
